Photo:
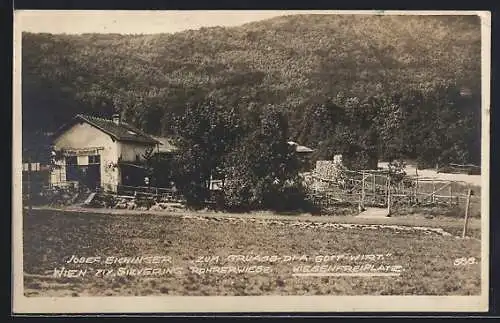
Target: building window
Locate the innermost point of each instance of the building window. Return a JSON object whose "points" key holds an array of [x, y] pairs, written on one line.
{"points": [[94, 159], [35, 167], [71, 168]]}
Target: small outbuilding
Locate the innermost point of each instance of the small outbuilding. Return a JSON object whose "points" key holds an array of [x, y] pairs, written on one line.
{"points": [[304, 155]]}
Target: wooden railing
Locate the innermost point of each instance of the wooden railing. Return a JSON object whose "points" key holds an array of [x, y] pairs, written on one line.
{"points": [[156, 193]]}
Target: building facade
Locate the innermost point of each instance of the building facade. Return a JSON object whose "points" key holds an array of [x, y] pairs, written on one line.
{"points": [[100, 153]]}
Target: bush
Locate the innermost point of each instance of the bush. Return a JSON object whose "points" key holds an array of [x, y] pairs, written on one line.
{"points": [[56, 196], [103, 200], [237, 194], [295, 199]]}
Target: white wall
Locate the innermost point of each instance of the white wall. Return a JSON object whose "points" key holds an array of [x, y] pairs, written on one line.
{"points": [[129, 150], [83, 135]]}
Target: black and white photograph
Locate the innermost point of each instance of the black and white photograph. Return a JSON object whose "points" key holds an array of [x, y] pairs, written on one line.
{"points": [[239, 161]]}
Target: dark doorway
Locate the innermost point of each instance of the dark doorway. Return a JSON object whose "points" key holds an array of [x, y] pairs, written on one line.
{"points": [[87, 175], [93, 176], [72, 172]]}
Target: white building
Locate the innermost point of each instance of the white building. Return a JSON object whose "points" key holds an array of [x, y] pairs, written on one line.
{"points": [[101, 153]]}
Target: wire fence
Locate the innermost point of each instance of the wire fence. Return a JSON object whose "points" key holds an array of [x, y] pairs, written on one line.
{"points": [[383, 189]]}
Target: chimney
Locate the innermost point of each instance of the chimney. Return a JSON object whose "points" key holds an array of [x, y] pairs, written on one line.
{"points": [[116, 118]]}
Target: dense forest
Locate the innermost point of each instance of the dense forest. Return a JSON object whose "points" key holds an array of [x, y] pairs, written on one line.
{"points": [[393, 86]]}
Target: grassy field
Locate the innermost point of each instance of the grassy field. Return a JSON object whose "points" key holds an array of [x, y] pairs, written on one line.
{"points": [[428, 259]]}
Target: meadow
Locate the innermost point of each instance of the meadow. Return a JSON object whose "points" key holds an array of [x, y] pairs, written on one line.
{"points": [[418, 262]]}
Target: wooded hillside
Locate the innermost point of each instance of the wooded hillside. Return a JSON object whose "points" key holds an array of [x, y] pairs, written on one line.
{"points": [[397, 85]]}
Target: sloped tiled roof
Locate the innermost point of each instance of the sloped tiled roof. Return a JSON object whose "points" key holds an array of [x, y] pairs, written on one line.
{"points": [[300, 148], [166, 144], [120, 132]]}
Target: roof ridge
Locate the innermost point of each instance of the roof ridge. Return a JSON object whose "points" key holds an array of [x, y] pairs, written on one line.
{"points": [[107, 125], [106, 119], [93, 117], [142, 132]]}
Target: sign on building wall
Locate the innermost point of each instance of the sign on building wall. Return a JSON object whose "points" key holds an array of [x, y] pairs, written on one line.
{"points": [[82, 151]]}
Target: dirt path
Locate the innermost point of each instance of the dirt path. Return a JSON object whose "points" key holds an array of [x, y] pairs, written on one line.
{"points": [[373, 212]]}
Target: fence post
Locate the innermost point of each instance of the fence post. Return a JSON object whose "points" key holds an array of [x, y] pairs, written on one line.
{"points": [[451, 194], [30, 207], [388, 195], [433, 191], [466, 220], [416, 184], [363, 191]]}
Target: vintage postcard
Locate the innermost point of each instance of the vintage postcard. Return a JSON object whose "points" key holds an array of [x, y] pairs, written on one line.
{"points": [[250, 161]]}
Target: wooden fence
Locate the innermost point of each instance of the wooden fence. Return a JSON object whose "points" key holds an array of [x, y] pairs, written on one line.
{"points": [[155, 193], [383, 189]]}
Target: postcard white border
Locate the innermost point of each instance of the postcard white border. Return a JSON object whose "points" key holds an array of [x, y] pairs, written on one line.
{"points": [[176, 304]]}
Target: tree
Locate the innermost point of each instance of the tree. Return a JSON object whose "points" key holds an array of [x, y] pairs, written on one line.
{"points": [[205, 133], [149, 78], [262, 171]]}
